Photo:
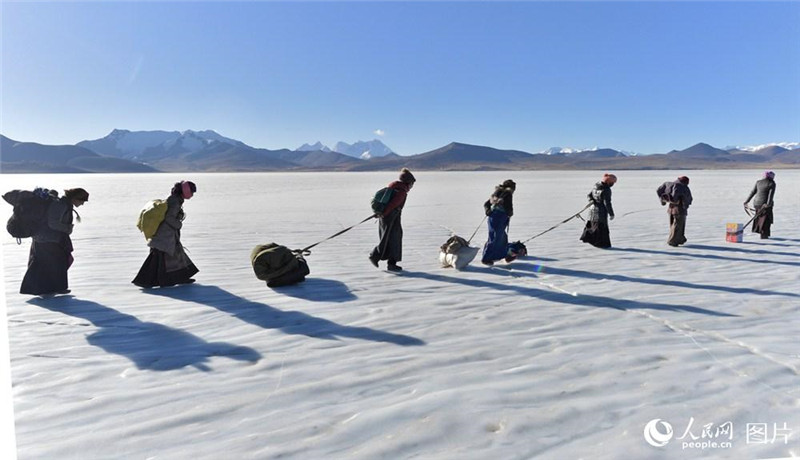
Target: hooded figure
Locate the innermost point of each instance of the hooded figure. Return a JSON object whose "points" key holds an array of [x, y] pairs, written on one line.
{"points": [[596, 230], [51, 251], [764, 192], [679, 198], [390, 228], [499, 208], [167, 264]]}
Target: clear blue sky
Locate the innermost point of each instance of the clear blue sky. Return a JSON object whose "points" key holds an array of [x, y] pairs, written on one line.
{"points": [[638, 76]]}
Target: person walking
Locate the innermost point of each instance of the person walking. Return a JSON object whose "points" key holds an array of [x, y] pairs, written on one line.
{"points": [[679, 197], [390, 228], [596, 230], [764, 192], [499, 208], [168, 264], [51, 251]]}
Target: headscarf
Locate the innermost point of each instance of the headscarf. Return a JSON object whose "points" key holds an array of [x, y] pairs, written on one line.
{"points": [[187, 189], [77, 194], [609, 179], [406, 177], [508, 183]]}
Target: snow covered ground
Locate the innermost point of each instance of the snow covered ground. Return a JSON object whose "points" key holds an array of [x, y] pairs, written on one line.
{"points": [[570, 353]]}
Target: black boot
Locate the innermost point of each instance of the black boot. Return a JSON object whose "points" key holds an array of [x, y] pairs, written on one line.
{"points": [[393, 267]]}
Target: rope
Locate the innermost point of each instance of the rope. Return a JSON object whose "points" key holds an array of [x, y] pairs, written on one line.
{"points": [[636, 212], [476, 230], [307, 250], [577, 214], [750, 212]]}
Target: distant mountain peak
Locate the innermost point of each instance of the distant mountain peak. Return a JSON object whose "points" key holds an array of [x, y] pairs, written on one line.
{"points": [[566, 150], [313, 147], [363, 149], [701, 149]]}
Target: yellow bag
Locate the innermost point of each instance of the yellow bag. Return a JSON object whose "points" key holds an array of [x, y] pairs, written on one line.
{"points": [[151, 217]]}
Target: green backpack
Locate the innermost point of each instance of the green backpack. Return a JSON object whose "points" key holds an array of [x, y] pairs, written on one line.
{"points": [[278, 265], [381, 199]]}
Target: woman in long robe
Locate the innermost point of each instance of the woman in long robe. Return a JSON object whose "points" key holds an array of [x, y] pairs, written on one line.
{"points": [[168, 264], [51, 251], [596, 230]]}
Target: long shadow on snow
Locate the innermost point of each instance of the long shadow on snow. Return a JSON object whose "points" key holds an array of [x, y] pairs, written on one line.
{"points": [[657, 282], [318, 290], [288, 322], [739, 248], [768, 244], [150, 346], [784, 239], [582, 300], [705, 256]]}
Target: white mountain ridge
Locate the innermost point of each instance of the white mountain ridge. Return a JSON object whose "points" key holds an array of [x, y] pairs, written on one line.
{"points": [[565, 150], [131, 144], [361, 149], [131, 141], [569, 150], [755, 148]]}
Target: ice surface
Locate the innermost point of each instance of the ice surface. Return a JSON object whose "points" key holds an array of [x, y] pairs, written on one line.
{"points": [[567, 354]]}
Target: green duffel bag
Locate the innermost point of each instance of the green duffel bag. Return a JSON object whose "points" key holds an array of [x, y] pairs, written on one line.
{"points": [[278, 265]]}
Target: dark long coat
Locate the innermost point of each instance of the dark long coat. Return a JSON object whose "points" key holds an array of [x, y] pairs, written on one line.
{"points": [[167, 264], [51, 252], [390, 226]]}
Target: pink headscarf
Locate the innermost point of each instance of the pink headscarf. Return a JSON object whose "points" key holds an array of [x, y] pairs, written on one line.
{"points": [[186, 190]]}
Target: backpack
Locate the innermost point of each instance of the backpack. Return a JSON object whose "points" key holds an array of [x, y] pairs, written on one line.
{"points": [[278, 265], [664, 192], [515, 250], [151, 216], [381, 199], [30, 211]]}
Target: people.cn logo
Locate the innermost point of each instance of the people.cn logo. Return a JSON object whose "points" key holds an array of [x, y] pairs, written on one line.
{"points": [[654, 436]]}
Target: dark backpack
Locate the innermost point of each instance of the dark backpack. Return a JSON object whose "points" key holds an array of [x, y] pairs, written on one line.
{"points": [[516, 249], [381, 199], [30, 211]]}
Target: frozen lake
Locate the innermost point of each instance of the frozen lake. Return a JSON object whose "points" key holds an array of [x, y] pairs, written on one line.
{"points": [[570, 354]]}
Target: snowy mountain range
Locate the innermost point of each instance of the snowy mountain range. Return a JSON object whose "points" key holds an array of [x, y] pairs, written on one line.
{"points": [[755, 148], [594, 151], [150, 145], [361, 149], [133, 151]]}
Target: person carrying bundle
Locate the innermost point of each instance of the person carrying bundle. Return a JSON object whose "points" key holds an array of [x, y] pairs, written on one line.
{"points": [[679, 197], [390, 228], [499, 208], [764, 192], [167, 264], [51, 252], [596, 230]]}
